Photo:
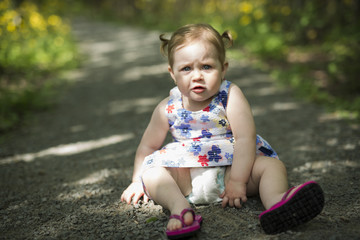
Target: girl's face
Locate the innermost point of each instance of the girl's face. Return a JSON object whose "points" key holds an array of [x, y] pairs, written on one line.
{"points": [[198, 73]]}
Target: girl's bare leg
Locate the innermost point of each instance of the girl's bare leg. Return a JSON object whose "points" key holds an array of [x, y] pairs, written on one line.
{"points": [[268, 179], [167, 187]]}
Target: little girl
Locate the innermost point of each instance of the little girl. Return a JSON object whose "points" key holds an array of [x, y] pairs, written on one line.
{"points": [[216, 154]]}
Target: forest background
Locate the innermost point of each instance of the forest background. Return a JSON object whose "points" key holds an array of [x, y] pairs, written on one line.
{"points": [[310, 46]]}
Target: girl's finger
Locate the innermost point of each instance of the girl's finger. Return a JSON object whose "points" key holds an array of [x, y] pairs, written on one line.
{"points": [[237, 203], [146, 198], [129, 198], [123, 196], [137, 197], [225, 201], [231, 202]]}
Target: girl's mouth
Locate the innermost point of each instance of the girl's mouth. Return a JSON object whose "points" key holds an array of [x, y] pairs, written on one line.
{"points": [[198, 89]]}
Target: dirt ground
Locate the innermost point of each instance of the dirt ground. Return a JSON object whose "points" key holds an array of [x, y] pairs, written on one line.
{"points": [[62, 174]]}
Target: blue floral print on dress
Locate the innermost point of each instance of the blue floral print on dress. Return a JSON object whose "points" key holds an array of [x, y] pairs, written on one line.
{"points": [[204, 118], [223, 98], [222, 122], [195, 148], [212, 107], [185, 129], [214, 154], [206, 134], [229, 157], [185, 115]]}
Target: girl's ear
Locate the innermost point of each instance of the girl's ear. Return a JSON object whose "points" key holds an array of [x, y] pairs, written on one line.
{"points": [[225, 68], [172, 74]]}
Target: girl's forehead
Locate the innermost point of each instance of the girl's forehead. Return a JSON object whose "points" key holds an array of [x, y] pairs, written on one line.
{"points": [[196, 46]]}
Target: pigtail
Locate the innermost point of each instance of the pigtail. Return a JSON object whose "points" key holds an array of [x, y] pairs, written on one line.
{"points": [[227, 39], [164, 45]]}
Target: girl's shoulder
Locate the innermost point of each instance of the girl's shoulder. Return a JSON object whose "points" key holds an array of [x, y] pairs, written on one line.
{"points": [[234, 89], [163, 103], [161, 107], [237, 101], [159, 113]]}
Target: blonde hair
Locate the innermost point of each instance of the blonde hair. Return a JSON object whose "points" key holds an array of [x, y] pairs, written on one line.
{"points": [[192, 32]]}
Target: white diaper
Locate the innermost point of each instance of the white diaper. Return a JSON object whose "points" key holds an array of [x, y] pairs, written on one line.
{"points": [[207, 185]]}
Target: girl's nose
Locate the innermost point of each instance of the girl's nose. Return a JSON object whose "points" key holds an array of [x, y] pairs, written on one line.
{"points": [[197, 75]]}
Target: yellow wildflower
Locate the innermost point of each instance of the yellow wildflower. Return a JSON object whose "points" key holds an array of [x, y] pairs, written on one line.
{"points": [[8, 16], [11, 27], [245, 20], [37, 21], [258, 14], [245, 7], [54, 20]]}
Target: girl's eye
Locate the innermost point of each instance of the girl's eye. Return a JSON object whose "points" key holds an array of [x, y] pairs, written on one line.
{"points": [[207, 67], [186, 69]]}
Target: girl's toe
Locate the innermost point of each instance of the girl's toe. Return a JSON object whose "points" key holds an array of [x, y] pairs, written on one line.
{"points": [[188, 218]]}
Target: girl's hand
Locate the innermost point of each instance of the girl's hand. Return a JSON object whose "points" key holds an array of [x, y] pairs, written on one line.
{"points": [[234, 194], [134, 192]]}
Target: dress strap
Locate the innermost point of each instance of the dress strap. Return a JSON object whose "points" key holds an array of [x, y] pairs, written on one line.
{"points": [[224, 93], [173, 104]]}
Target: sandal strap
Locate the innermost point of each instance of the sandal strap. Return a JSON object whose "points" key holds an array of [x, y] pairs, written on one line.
{"points": [[178, 218], [181, 216], [287, 193], [183, 212]]}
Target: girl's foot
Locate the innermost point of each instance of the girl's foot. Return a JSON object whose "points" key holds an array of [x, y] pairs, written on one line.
{"points": [[186, 229], [175, 223], [298, 205]]}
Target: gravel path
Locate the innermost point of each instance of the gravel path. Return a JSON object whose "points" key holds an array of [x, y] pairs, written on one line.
{"points": [[62, 175]]}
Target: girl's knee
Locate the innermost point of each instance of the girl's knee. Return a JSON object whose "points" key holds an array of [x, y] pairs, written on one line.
{"points": [[276, 163], [152, 173], [263, 163]]}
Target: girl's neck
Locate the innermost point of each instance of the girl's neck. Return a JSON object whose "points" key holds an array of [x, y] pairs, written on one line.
{"points": [[194, 106]]}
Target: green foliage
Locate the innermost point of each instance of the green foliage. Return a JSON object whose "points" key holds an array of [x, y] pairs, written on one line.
{"points": [[34, 44]]}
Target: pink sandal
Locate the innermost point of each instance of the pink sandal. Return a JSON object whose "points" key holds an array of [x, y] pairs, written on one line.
{"points": [[186, 230], [303, 205]]}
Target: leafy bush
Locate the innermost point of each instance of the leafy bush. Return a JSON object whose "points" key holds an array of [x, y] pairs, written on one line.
{"points": [[34, 43]]}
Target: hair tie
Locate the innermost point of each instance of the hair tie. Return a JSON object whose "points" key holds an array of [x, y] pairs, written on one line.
{"points": [[227, 39], [164, 44]]}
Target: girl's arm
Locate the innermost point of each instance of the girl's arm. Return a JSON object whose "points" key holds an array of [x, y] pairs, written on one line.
{"points": [[243, 127], [152, 140]]}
